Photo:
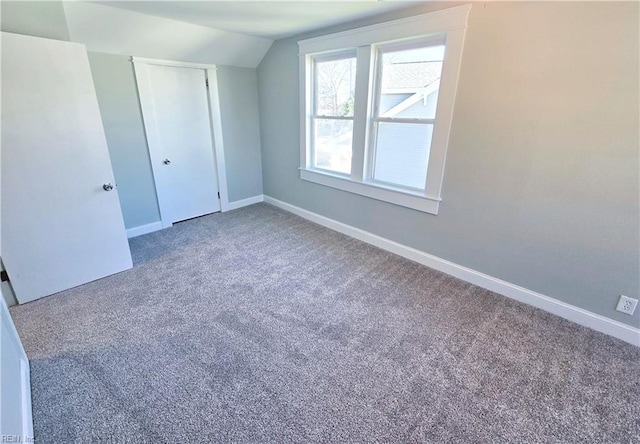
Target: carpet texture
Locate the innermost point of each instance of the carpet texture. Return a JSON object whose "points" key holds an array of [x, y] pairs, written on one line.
{"points": [[258, 326]]}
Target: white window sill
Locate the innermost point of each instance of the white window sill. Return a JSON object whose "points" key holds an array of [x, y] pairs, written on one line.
{"points": [[403, 198]]}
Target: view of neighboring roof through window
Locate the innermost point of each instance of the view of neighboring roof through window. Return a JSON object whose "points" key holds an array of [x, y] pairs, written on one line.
{"points": [[408, 77]]}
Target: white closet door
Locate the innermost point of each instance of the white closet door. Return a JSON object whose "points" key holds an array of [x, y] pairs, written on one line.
{"points": [[60, 227], [175, 108]]}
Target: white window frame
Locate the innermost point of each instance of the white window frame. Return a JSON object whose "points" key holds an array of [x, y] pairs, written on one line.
{"points": [[448, 24], [375, 118]]}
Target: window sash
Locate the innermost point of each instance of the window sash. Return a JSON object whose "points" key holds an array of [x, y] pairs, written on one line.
{"points": [[373, 153], [403, 120], [381, 48], [312, 142], [313, 116], [332, 57], [376, 118], [322, 116]]}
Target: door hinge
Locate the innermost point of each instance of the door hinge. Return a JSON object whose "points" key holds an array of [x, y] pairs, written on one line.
{"points": [[4, 277], [218, 194], [206, 82]]}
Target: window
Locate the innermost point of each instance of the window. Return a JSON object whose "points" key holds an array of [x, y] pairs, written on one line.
{"points": [[334, 81], [404, 114], [377, 104]]}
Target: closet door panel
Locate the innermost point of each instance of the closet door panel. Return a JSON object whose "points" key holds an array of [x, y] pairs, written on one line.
{"points": [[175, 108]]}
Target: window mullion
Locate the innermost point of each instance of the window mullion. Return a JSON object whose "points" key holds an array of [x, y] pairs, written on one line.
{"points": [[360, 112]]}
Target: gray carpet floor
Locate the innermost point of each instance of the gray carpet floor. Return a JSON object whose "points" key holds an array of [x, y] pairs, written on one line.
{"points": [[258, 326]]}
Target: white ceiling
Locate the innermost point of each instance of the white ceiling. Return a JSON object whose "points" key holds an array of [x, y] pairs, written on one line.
{"points": [[269, 19]]}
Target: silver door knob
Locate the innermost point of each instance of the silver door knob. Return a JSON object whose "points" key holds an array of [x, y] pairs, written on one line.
{"points": [[166, 161], [107, 187]]}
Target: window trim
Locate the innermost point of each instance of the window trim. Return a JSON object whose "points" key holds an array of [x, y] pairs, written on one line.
{"points": [[422, 29]]}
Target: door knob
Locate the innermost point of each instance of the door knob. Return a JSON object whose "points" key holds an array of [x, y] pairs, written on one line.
{"points": [[107, 187], [166, 161]]}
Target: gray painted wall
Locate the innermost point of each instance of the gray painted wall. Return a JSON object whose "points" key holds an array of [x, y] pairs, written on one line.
{"points": [[541, 185], [238, 89], [117, 93], [116, 89], [39, 18]]}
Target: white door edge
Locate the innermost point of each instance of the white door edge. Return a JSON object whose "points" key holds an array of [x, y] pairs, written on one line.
{"points": [[25, 379]]}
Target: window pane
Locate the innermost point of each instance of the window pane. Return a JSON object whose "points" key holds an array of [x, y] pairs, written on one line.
{"points": [[332, 145], [335, 82], [410, 82], [402, 153]]}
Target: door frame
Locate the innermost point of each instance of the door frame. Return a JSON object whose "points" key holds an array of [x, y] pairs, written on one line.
{"points": [[215, 121], [26, 413]]}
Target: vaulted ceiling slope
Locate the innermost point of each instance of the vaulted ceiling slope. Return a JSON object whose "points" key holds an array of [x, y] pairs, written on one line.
{"points": [[237, 33], [268, 19], [112, 30]]}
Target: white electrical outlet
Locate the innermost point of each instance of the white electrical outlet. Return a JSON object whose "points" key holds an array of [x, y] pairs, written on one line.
{"points": [[626, 304]]}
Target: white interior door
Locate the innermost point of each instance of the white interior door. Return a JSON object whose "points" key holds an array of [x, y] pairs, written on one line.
{"points": [[175, 107], [60, 228]]}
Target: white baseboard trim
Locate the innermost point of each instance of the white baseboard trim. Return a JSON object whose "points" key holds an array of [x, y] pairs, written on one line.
{"points": [[27, 409], [572, 313], [144, 229], [155, 226], [245, 202]]}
